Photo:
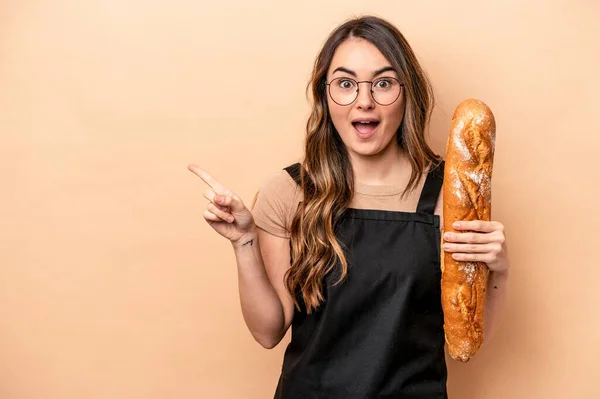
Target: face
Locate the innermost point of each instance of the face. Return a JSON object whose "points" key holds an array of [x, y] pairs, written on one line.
{"points": [[365, 126]]}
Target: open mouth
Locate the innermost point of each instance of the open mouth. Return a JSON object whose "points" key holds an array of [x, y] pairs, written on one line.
{"points": [[365, 127]]}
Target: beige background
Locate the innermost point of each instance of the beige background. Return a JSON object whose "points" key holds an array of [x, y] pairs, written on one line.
{"points": [[111, 284]]}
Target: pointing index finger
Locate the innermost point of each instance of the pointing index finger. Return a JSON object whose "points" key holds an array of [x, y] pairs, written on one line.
{"points": [[204, 175]]}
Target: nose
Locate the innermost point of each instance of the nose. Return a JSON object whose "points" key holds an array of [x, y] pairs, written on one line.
{"points": [[364, 99]]}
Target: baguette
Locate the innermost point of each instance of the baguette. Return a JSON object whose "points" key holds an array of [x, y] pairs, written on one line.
{"points": [[466, 196]]}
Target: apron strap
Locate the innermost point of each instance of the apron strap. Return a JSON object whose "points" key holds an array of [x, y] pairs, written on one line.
{"points": [[294, 171], [431, 189]]}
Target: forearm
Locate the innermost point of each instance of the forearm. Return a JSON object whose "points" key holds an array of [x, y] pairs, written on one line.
{"points": [[261, 306], [495, 299]]}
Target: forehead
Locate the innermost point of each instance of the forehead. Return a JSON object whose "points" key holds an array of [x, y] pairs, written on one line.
{"points": [[358, 55]]}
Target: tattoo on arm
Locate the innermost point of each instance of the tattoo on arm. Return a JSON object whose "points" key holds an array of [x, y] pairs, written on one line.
{"points": [[248, 243]]}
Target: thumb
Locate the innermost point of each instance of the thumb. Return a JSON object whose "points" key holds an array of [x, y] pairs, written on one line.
{"points": [[237, 205]]}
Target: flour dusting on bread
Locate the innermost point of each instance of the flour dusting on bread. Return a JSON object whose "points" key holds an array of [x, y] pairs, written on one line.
{"points": [[467, 196]]}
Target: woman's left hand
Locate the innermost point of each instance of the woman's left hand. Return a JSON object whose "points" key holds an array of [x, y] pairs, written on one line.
{"points": [[478, 241]]}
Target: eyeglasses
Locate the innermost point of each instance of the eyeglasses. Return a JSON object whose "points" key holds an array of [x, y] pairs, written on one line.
{"points": [[384, 91]]}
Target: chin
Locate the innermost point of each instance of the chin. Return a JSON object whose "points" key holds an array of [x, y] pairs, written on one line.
{"points": [[366, 149], [371, 147]]}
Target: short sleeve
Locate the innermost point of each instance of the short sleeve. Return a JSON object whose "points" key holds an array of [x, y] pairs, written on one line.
{"points": [[276, 203]]}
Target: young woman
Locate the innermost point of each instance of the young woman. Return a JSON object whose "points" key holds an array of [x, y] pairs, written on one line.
{"points": [[345, 246]]}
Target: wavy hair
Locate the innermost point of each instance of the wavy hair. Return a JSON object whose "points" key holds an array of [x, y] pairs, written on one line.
{"points": [[326, 177]]}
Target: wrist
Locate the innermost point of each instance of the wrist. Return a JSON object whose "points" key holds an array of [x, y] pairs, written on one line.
{"points": [[248, 239], [499, 276], [500, 268]]}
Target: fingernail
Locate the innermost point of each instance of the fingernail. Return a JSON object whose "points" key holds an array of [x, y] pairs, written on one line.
{"points": [[230, 219], [218, 199], [447, 236], [456, 225]]}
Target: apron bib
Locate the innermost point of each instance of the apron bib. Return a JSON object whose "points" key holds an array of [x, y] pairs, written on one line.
{"points": [[379, 333]]}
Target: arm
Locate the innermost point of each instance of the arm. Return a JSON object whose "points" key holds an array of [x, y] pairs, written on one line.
{"points": [[495, 299], [262, 260]]}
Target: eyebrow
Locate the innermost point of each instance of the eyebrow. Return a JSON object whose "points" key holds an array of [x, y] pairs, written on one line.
{"points": [[351, 72]]}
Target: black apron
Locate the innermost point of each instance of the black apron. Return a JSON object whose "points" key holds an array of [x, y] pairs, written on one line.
{"points": [[379, 333]]}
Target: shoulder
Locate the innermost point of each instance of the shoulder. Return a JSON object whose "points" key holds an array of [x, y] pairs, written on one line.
{"points": [[276, 203], [280, 184]]}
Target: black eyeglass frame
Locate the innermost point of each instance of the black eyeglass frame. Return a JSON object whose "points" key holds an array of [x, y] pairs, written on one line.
{"points": [[328, 84]]}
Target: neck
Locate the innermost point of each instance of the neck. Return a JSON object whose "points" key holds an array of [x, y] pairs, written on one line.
{"points": [[387, 167]]}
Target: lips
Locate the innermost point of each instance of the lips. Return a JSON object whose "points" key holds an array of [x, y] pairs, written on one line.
{"points": [[365, 126]]}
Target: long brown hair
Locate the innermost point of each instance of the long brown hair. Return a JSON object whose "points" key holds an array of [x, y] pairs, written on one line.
{"points": [[327, 179]]}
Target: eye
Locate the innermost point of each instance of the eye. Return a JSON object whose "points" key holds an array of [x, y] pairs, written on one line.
{"points": [[345, 84], [383, 83]]}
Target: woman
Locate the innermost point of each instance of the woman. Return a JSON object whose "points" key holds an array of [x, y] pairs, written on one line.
{"points": [[345, 246]]}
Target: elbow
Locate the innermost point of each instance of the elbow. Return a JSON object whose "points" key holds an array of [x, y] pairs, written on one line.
{"points": [[267, 342]]}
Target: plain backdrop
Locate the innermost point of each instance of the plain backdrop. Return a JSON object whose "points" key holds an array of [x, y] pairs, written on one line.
{"points": [[113, 286]]}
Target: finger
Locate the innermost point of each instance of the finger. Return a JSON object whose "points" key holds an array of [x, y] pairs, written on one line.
{"points": [[475, 237], [467, 248], [230, 201], [210, 195], [474, 257], [204, 175], [468, 238], [235, 203], [224, 216], [482, 226], [225, 209], [211, 217], [208, 179], [223, 202]]}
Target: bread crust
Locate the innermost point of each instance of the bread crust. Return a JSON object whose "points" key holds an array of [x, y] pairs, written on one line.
{"points": [[467, 196]]}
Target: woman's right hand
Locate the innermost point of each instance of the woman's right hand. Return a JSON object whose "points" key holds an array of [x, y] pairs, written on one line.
{"points": [[225, 212]]}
